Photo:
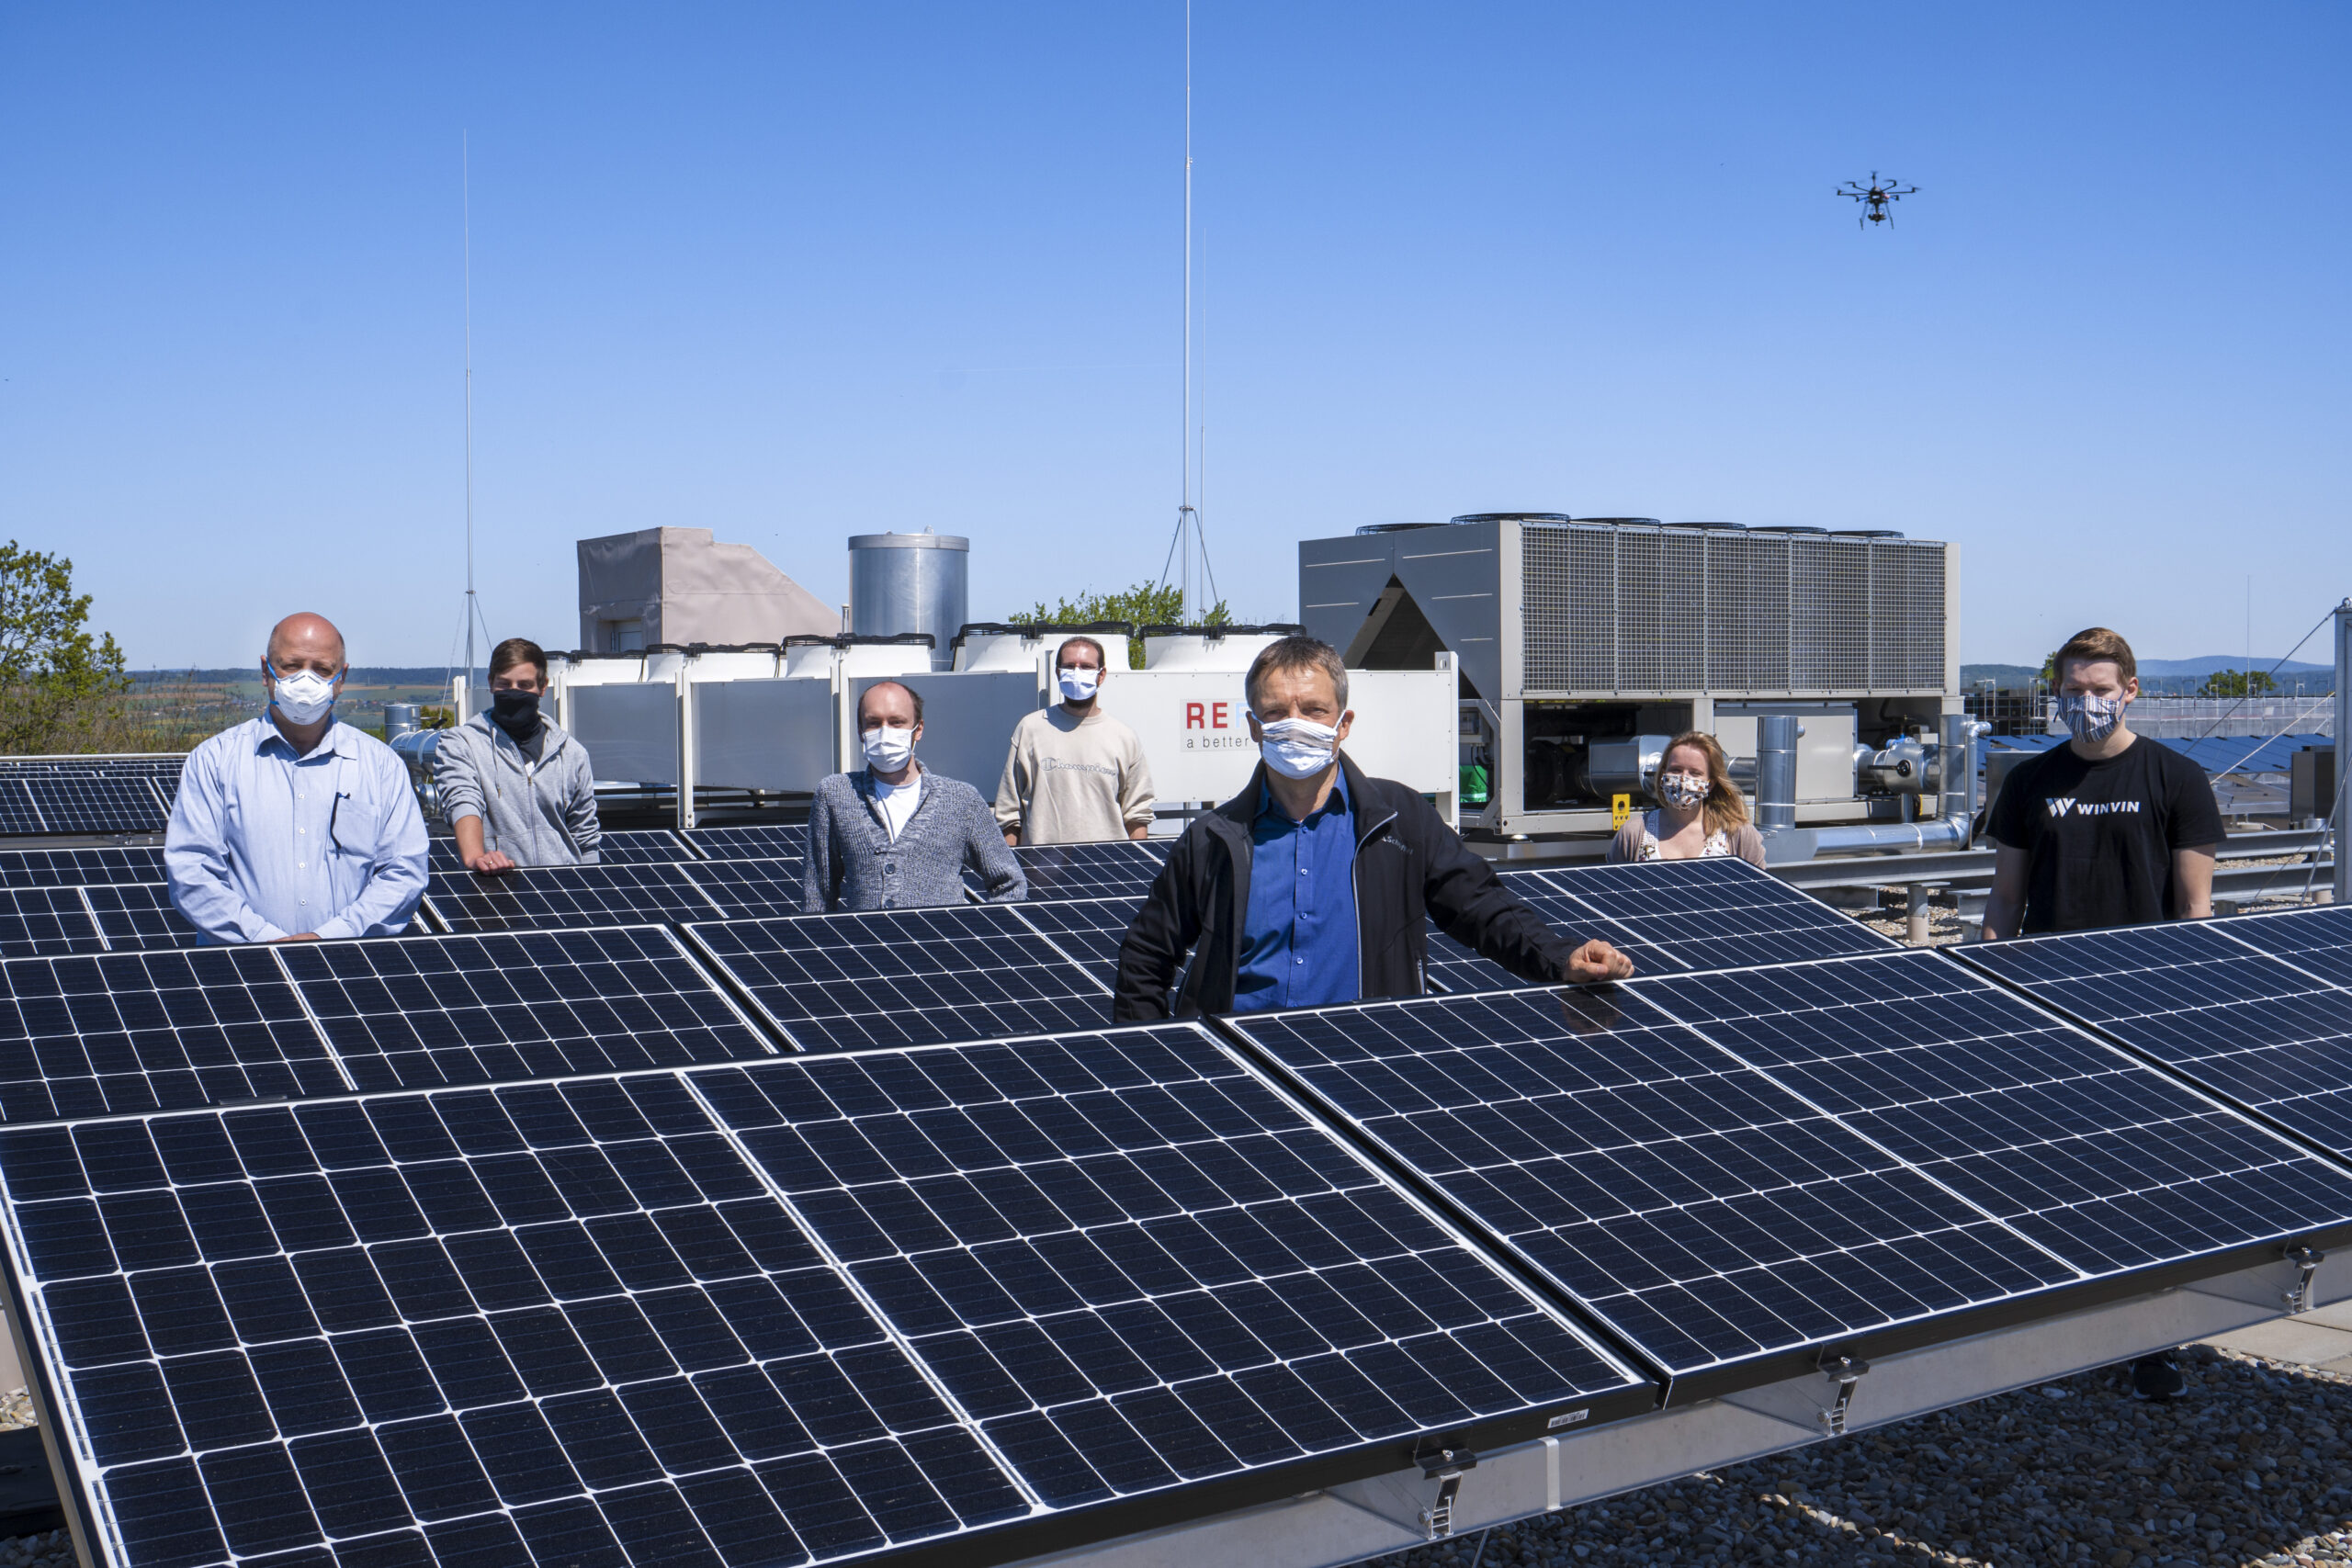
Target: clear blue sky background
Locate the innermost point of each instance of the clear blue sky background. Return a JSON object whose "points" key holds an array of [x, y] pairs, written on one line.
{"points": [[795, 272]]}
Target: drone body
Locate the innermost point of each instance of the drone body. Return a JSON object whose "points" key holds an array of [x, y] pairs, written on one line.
{"points": [[1874, 195]]}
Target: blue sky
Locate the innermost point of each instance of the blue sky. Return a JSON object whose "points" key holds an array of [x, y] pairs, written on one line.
{"points": [[793, 273]]}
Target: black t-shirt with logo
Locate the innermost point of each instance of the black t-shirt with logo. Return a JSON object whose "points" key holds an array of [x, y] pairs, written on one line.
{"points": [[2100, 836]]}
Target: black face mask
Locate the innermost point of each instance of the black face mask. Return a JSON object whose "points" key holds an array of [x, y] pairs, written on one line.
{"points": [[517, 713]]}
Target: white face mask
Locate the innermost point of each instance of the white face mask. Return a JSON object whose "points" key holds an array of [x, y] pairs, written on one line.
{"points": [[1080, 685], [887, 749], [1685, 790], [303, 697], [1297, 748]]}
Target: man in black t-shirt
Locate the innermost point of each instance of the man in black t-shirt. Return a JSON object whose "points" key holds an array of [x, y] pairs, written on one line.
{"points": [[2108, 829]]}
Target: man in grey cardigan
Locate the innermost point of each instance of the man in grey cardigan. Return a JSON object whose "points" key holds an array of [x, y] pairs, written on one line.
{"points": [[891, 836], [516, 789]]}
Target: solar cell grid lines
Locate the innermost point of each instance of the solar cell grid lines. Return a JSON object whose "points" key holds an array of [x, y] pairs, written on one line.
{"points": [[1715, 913], [2317, 940], [744, 888], [760, 840], [542, 897], [45, 920], [1721, 1207], [905, 977], [407, 1013], [133, 915], [1457, 969], [2258, 1027], [1119, 869], [124, 1033], [18, 814], [1136, 1267], [552, 1322], [84, 867], [92, 804], [623, 846], [1088, 930]]}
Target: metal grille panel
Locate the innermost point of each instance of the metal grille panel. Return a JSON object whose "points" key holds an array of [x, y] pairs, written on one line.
{"points": [[1906, 616], [1659, 577], [1830, 597], [1747, 613], [1569, 586]]}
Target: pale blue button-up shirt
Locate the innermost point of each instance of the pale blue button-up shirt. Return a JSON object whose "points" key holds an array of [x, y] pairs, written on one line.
{"points": [[264, 843]]}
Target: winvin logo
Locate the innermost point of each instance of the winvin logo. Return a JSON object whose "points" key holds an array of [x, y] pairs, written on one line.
{"points": [[2061, 805]]}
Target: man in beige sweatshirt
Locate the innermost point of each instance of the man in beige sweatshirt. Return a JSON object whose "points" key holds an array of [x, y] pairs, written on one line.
{"points": [[1074, 774]]}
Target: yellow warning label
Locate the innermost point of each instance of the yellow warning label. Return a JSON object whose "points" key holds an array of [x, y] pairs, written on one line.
{"points": [[1621, 806]]}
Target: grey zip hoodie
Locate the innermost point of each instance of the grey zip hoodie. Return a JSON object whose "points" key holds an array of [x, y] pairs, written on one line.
{"points": [[541, 813], [854, 864]]}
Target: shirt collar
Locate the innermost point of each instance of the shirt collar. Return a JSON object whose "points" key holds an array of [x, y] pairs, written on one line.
{"points": [[330, 742], [1335, 801]]}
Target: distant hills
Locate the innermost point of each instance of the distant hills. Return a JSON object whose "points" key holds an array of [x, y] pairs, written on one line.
{"points": [[2172, 677], [2214, 662]]}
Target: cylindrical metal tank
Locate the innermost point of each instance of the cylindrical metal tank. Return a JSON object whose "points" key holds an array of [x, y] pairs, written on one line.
{"points": [[1776, 770], [910, 582], [399, 718]]}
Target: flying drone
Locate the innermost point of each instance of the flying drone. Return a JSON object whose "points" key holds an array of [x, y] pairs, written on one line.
{"points": [[1874, 196]]}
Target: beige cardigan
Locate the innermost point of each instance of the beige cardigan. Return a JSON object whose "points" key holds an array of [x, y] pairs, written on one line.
{"points": [[1626, 847]]}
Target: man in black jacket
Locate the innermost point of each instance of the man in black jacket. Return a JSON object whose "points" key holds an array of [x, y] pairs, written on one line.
{"points": [[1309, 886]]}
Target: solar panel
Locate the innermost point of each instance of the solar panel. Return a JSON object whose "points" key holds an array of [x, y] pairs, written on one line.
{"points": [[1088, 930], [1669, 917], [552, 1323], [2262, 1029], [1136, 1267], [43, 920], [1733, 1169], [127, 1033], [905, 977], [626, 846], [140, 914], [563, 896], [750, 888], [406, 1012], [761, 841], [76, 868], [18, 814], [1115, 870], [2317, 940], [70, 803]]}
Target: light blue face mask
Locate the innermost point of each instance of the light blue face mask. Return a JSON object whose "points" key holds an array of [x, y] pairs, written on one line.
{"points": [[2090, 719]]}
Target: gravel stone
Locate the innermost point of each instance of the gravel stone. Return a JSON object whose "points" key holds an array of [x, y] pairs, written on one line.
{"points": [[2250, 1466], [54, 1550]]}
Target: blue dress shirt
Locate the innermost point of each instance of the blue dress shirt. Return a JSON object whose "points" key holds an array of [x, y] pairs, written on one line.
{"points": [[264, 843], [1299, 947]]}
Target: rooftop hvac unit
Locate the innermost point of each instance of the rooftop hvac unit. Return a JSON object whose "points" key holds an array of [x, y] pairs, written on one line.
{"points": [[1574, 633]]}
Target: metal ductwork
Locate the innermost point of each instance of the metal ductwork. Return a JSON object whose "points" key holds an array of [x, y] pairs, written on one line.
{"points": [[1951, 766]]}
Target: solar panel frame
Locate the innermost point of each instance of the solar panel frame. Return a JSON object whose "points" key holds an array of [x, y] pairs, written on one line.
{"points": [[81, 867], [1516, 1123], [1115, 868], [539, 898], [92, 802], [504, 1007], [845, 981]]}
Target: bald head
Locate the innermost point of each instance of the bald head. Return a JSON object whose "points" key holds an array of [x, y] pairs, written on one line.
{"points": [[306, 641]]}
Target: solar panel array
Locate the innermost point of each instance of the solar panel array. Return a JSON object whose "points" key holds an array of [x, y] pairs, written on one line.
{"points": [[2255, 1007], [1739, 1168], [1121, 869], [748, 1316], [1669, 917]]}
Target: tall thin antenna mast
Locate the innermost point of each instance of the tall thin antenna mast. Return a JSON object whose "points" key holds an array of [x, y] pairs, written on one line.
{"points": [[466, 195], [1190, 541]]}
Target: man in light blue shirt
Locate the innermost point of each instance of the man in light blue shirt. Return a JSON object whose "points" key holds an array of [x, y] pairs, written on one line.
{"points": [[292, 827]]}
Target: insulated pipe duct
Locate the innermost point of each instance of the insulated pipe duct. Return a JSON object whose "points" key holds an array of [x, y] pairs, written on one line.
{"points": [[1956, 774], [416, 748], [1776, 772]]}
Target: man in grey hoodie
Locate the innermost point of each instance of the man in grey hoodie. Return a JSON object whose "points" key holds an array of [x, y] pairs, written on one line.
{"points": [[891, 836], [515, 788]]}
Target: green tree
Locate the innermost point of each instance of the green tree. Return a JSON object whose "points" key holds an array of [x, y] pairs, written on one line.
{"points": [[2235, 684], [1140, 606], [53, 674]]}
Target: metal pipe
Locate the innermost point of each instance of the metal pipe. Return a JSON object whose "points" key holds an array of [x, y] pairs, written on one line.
{"points": [[2342, 881], [1938, 833], [1776, 770], [1916, 908]]}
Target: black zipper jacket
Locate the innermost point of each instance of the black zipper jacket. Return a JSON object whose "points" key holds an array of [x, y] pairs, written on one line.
{"points": [[1409, 863]]}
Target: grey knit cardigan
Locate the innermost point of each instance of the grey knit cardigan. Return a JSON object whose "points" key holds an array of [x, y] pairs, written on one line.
{"points": [[852, 865]]}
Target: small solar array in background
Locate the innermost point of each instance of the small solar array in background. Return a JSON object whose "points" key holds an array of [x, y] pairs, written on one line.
{"points": [[1669, 917], [905, 977], [1124, 869], [541, 896], [621, 846], [750, 888], [750, 841], [45, 920], [81, 867], [1088, 930]]}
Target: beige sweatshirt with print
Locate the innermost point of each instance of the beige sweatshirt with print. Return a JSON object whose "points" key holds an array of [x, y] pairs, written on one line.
{"points": [[1071, 781]]}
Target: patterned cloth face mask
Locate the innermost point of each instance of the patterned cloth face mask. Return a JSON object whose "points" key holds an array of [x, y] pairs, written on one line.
{"points": [[1683, 790], [2090, 719]]}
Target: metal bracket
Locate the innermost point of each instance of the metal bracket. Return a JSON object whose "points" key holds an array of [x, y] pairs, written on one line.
{"points": [[1845, 1372], [1443, 1466], [2308, 1259]]}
